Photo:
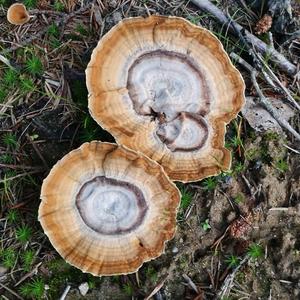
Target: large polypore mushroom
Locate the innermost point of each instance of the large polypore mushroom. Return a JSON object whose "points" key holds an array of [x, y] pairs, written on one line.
{"points": [[166, 87], [107, 209]]}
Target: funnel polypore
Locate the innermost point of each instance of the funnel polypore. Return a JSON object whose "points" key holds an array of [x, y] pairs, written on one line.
{"points": [[167, 88], [107, 209], [17, 14]]}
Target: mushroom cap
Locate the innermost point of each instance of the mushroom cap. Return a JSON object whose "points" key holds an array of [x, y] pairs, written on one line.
{"points": [[107, 209], [166, 88], [17, 14]]}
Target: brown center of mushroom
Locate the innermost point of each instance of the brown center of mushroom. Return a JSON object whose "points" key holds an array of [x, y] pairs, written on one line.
{"points": [[170, 87], [111, 206]]}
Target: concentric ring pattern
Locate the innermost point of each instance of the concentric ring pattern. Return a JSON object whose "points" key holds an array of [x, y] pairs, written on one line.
{"points": [[107, 209], [166, 88]]}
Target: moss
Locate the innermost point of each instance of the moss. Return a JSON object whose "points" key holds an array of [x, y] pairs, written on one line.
{"points": [[271, 136], [62, 272]]}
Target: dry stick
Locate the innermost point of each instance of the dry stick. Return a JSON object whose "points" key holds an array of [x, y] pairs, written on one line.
{"points": [[24, 167], [248, 66], [281, 86], [11, 291], [190, 283], [264, 101], [19, 175], [65, 293], [269, 77], [259, 45], [270, 109], [29, 274], [157, 288]]}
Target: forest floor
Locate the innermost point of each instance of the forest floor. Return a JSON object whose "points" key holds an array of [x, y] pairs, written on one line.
{"points": [[238, 234]]}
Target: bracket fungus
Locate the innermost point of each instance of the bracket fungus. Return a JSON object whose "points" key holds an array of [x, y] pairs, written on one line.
{"points": [[107, 209], [17, 14], [166, 88]]}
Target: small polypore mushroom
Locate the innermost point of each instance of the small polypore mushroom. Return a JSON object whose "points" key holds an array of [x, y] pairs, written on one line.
{"points": [[107, 209], [17, 14], [167, 88]]}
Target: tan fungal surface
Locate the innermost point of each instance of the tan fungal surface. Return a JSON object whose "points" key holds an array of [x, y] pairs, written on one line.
{"points": [[107, 209], [166, 87], [17, 14]]}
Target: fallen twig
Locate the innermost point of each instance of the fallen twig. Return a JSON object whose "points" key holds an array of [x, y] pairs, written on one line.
{"points": [[190, 283], [292, 149], [65, 293], [29, 274], [266, 104], [157, 288], [276, 57], [264, 101], [228, 282], [11, 291], [19, 175], [281, 86]]}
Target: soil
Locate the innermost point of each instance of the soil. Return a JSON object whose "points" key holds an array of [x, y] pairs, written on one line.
{"points": [[256, 204]]}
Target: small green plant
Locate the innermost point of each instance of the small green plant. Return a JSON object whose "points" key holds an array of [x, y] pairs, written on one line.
{"points": [[30, 3], [238, 168], [8, 257], [128, 289], [6, 158], [4, 3], [209, 183], [89, 131], [55, 43], [7, 180], [23, 233], [26, 85], [239, 198], [236, 142], [13, 216], [195, 19], [27, 259], [271, 136], [10, 140], [205, 225], [151, 274], [58, 6], [186, 199], [34, 289], [3, 94], [250, 154], [53, 30], [282, 165], [91, 283], [81, 29], [255, 251], [232, 261], [10, 77], [34, 66]]}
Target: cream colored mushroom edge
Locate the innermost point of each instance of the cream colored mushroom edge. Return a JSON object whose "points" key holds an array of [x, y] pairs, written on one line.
{"points": [[107, 209], [167, 88]]}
